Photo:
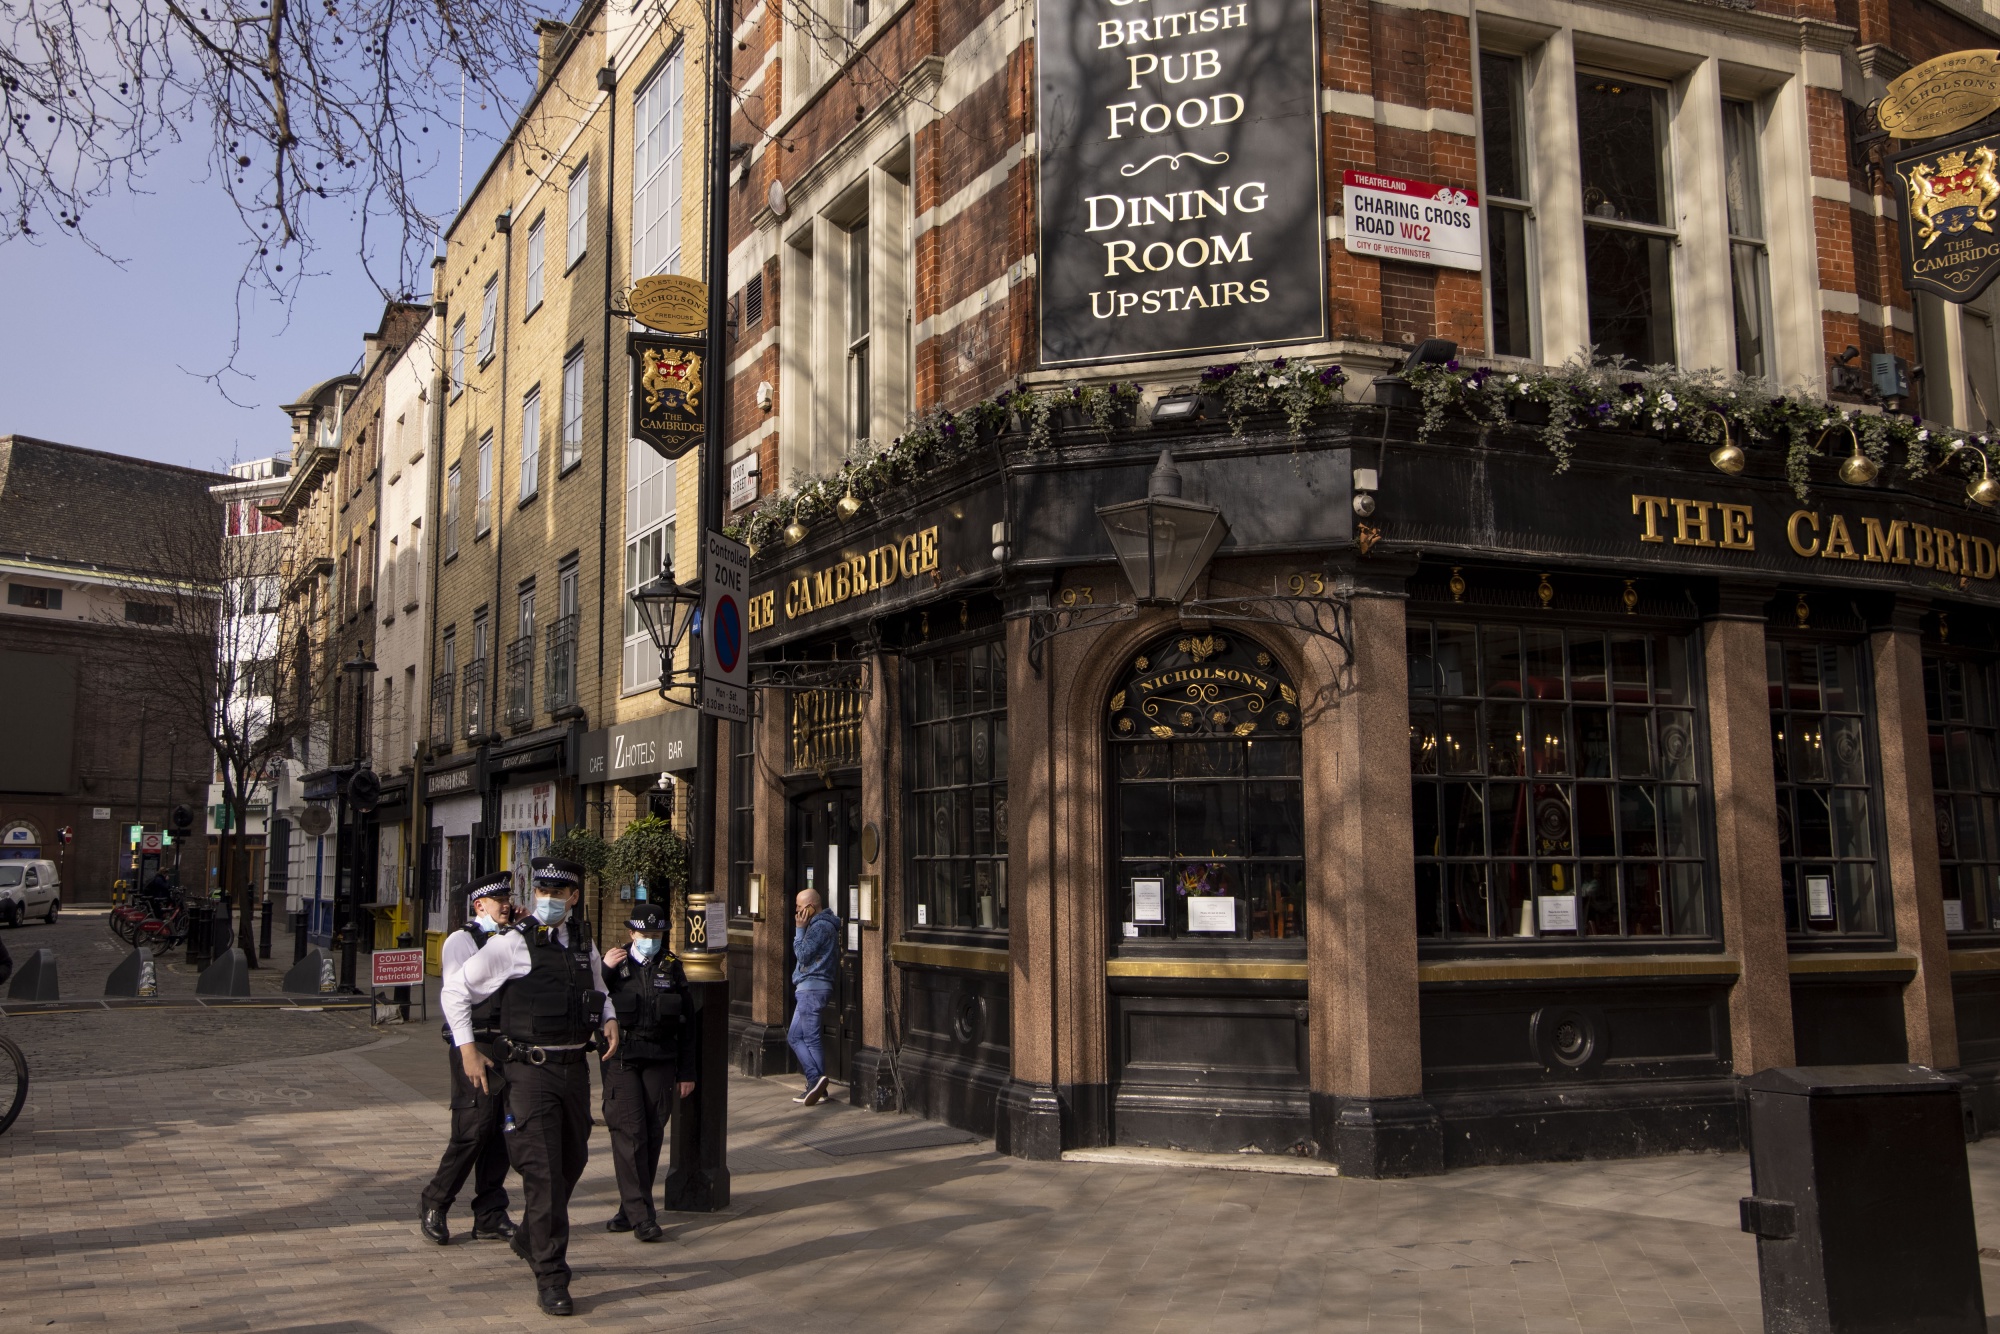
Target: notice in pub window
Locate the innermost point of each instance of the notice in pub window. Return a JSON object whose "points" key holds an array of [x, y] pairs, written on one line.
{"points": [[1819, 897], [1148, 901], [1954, 915], [923, 915], [1209, 913], [1180, 200], [1558, 912]]}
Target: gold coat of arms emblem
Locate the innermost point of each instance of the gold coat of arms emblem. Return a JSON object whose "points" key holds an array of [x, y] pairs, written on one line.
{"points": [[1953, 195], [672, 379]]}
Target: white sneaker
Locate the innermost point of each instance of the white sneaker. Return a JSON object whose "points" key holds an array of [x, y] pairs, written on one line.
{"points": [[817, 1093], [800, 1098]]}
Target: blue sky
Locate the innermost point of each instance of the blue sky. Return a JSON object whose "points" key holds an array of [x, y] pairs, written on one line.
{"points": [[110, 357]]}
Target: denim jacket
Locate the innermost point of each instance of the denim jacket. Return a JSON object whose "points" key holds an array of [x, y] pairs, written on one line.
{"points": [[817, 946]]}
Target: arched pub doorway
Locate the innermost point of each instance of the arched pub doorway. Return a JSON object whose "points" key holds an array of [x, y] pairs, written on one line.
{"points": [[1207, 958]]}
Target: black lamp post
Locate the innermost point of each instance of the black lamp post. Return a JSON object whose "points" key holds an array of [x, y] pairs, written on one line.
{"points": [[347, 844], [669, 611], [1163, 542]]}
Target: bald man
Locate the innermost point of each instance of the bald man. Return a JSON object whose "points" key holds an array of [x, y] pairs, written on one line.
{"points": [[816, 945]]}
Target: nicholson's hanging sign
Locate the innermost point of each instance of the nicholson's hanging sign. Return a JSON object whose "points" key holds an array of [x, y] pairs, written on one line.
{"points": [[1180, 178], [1951, 206], [1941, 96], [667, 389], [670, 303]]}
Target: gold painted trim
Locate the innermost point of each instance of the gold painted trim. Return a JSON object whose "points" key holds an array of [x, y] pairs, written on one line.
{"points": [[1526, 970], [1974, 961], [1892, 962], [950, 956], [1232, 970], [740, 937]]}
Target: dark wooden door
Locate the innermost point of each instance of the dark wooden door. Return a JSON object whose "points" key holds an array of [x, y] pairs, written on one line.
{"points": [[826, 856]]}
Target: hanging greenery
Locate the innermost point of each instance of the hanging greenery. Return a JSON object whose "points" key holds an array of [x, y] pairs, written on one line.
{"points": [[649, 850], [584, 846], [1705, 407]]}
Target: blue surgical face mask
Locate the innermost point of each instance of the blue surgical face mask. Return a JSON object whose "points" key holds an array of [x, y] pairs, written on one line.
{"points": [[644, 949], [548, 911]]}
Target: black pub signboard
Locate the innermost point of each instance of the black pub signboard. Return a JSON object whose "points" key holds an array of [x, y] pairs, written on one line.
{"points": [[1180, 177], [1951, 209], [667, 389]]}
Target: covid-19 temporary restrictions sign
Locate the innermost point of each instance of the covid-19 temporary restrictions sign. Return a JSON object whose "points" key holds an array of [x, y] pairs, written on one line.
{"points": [[1180, 180]]}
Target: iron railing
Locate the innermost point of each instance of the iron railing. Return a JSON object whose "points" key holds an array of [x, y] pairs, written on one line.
{"points": [[520, 705], [475, 698], [441, 700], [559, 673]]}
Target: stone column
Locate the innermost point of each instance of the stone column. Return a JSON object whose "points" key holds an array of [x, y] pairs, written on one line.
{"points": [[1746, 830], [881, 800], [761, 1050], [1915, 892], [1368, 1111]]}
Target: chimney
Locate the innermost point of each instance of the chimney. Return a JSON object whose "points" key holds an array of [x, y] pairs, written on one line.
{"points": [[551, 34]]}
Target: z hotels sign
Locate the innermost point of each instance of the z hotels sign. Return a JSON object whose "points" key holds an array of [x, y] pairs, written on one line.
{"points": [[1180, 179]]}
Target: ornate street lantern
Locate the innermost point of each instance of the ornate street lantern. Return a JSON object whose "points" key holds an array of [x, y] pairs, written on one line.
{"points": [[669, 610], [1163, 542]]}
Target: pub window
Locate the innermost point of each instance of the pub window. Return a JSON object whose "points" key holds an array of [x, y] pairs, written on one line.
{"points": [[858, 408], [1822, 752], [1628, 236], [576, 231], [649, 543], [1959, 705], [537, 245], [656, 172], [1555, 783], [1210, 814], [489, 312], [1749, 258], [1509, 214], [531, 442], [958, 788], [742, 815]]}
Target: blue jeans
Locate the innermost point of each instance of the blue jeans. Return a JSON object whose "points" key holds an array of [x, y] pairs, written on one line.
{"points": [[804, 1035]]}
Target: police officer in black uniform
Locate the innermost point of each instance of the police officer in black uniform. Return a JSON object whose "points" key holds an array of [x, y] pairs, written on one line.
{"points": [[476, 1147], [550, 984], [655, 1064]]}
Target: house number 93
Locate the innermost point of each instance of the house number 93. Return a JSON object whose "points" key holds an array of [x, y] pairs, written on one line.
{"points": [[1307, 583]]}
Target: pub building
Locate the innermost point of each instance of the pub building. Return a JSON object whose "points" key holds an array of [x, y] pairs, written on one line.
{"points": [[1351, 779]]}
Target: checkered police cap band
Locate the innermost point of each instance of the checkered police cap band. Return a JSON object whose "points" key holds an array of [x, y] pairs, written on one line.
{"points": [[500, 886], [555, 871]]}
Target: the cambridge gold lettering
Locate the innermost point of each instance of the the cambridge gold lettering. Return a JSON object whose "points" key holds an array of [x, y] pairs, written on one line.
{"points": [[1701, 508], [1884, 547], [1982, 558], [1736, 532], [1926, 553], [1947, 549], [1792, 532], [1654, 508]]}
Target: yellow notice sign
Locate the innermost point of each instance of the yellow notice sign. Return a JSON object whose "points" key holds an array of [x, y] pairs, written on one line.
{"points": [[670, 303], [1941, 95]]}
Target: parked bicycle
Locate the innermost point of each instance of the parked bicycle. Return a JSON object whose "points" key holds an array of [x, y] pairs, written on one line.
{"points": [[12, 1062]]}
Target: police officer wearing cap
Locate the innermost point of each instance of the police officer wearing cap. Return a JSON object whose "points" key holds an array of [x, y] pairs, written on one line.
{"points": [[549, 981], [476, 1147], [654, 1065]]}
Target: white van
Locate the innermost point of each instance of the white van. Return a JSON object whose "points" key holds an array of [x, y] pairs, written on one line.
{"points": [[29, 889]]}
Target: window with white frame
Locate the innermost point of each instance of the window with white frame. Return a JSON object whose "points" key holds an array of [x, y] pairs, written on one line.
{"points": [[572, 410], [1629, 237], [649, 542], [482, 520], [1503, 114], [858, 406], [489, 316], [1749, 255], [577, 228], [656, 172], [535, 246], [458, 356], [451, 479], [531, 442], [389, 573]]}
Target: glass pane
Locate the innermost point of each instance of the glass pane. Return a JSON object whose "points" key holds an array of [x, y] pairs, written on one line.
{"points": [[1689, 902], [1501, 124], [982, 751], [1802, 676], [1743, 188], [1958, 753], [1621, 140], [1855, 882], [1507, 819], [1273, 755], [1276, 901], [961, 750], [1630, 280], [1424, 836], [1850, 824], [1208, 820], [1593, 743], [1750, 292], [1780, 751], [1553, 835], [1513, 904], [1430, 904], [1676, 745], [1555, 880], [1596, 835], [1586, 666], [1545, 664], [1466, 904], [1459, 744], [1457, 660], [1275, 815], [1502, 661], [1814, 832], [1551, 745], [1985, 773], [1635, 745], [1670, 670], [1142, 759], [1507, 283], [1948, 827], [1628, 669], [1208, 759], [1836, 663], [1638, 821], [1423, 672], [1642, 899], [1597, 898], [1145, 816], [1680, 825], [1940, 774], [1462, 820], [1808, 750], [1506, 755]]}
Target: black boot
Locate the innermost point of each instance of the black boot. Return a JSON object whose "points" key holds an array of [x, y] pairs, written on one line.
{"points": [[555, 1300], [501, 1228], [434, 1228]]}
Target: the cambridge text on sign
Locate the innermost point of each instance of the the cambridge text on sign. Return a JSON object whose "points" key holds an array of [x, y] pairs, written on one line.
{"points": [[1180, 179], [1951, 217]]}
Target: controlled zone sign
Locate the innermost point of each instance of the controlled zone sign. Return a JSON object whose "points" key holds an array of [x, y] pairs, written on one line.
{"points": [[725, 628], [1411, 221]]}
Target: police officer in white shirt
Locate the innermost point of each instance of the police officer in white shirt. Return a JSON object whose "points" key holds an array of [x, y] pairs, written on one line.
{"points": [[549, 981], [476, 1147]]}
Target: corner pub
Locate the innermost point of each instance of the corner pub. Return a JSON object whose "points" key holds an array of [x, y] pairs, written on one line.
{"points": [[1330, 726]]}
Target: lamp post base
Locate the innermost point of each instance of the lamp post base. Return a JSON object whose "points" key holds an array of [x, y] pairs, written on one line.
{"points": [[698, 1157]]}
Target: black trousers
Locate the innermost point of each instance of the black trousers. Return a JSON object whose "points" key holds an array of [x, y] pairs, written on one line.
{"points": [[639, 1096], [549, 1144], [476, 1147]]}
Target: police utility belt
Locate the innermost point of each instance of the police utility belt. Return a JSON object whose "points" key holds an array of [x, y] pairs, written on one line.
{"points": [[527, 1054]]}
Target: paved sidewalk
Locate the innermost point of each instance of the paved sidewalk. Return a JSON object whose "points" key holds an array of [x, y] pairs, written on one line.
{"points": [[282, 1197]]}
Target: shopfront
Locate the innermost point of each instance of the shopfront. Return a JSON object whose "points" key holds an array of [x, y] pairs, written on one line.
{"points": [[453, 797], [651, 758], [1519, 822]]}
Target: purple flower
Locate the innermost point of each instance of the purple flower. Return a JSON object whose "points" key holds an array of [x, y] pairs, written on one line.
{"points": [[1329, 375], [1600, 409], [1451, 365], [951, 428], [1278, 365], [1631, 387], [1481, 376], [1214, 373]]}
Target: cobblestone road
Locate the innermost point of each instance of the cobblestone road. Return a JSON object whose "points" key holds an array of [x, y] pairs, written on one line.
{"points": [[282, 1196]]}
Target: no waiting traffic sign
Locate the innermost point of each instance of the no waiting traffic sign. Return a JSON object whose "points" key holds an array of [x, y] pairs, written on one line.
{"points": [[725, 667]]}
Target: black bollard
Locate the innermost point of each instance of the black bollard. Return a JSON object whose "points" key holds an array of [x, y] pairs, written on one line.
{"points": [[35, 978], [135, 977], [229, 975], [698, 1160]]}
